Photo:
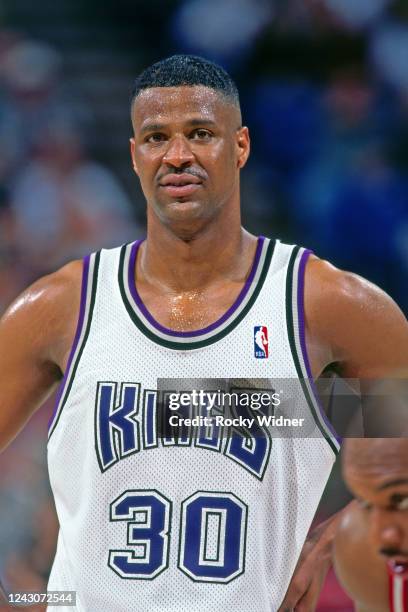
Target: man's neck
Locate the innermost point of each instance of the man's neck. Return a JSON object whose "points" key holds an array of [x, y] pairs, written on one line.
{"points": [[214, 256]]}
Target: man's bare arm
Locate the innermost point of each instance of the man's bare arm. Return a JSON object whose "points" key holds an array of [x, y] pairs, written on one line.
{"points": [[36, 334], [353, 325]]}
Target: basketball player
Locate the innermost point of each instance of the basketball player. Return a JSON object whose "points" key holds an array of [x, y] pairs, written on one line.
{"points": [[209, 521], [371, 544]]}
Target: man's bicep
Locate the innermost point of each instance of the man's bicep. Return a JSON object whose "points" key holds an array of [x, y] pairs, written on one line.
{"points": [[35, 334], [373, 332], [357, 326], [366, 336]]}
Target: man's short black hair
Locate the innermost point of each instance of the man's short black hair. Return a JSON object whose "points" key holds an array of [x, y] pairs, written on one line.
{"points": [[189, 70]]}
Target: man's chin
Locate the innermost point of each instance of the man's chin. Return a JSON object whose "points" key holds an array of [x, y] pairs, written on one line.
{"points": [[188, 209], [188, 214]]}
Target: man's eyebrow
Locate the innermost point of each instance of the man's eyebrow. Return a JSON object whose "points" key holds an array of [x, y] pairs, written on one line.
{"points": [[201, 121], [152, 127], [392, 483], [196, 121]]}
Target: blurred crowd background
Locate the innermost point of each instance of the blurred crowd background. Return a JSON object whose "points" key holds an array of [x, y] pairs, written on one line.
{"points": [[324, 88]]}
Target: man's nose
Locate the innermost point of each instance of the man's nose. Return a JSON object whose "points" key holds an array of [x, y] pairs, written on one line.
{"points": [[386, 530], [178, 153]]}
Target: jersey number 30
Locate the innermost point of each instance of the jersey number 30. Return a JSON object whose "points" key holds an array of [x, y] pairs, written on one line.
{"points": [[212, 535]]}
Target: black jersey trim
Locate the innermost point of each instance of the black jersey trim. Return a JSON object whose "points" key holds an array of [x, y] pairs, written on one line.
{"points": [[297, 358], [87, 324]]}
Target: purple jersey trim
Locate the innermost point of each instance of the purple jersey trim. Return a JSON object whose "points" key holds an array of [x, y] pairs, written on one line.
{"points": [[197, 332], [302, 336], [61, 388]]}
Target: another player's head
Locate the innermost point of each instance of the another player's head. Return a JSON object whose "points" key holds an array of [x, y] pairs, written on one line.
{"points": [[189, 143], [376, 471]]}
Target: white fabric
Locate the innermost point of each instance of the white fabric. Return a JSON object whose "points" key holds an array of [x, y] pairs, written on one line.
{"points": [[280, 507]]}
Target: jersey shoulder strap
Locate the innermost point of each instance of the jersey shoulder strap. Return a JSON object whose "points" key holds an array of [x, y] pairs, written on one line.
{"points": [[87, 303], [296, 330]]}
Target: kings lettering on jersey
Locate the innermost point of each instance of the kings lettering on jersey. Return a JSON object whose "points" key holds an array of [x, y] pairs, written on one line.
{"points": [[129, 419]]}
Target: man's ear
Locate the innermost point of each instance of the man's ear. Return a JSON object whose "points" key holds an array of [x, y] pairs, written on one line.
{"points": [[132, 154], [243, 146]]}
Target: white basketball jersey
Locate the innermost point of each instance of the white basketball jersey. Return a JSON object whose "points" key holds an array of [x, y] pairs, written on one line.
{"points": [[210, 518]]}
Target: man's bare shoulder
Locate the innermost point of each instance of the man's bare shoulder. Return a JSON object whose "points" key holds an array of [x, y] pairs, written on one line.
{"points": [[48, 292], [44, 316], [353, 317], [327, 285]]}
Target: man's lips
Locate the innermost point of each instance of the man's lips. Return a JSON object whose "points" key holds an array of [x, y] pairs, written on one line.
{"points": [[179, 180], [179, 185], [398, 565]]}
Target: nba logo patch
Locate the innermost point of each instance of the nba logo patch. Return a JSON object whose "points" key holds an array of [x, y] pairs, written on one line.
{"points": [[261, 342]]}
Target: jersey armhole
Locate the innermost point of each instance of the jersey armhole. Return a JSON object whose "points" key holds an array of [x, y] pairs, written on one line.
{"points": [[87, 302], [295, 317]]}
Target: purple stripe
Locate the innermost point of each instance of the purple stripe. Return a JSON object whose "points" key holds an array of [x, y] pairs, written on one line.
{"points": [[197, 332], [81, 316], [302, 336]]}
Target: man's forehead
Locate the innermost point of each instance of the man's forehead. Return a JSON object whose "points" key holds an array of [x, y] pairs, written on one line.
{"points": [[162, 102], [377, 459]]}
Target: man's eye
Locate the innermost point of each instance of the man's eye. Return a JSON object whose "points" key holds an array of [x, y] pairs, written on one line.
{"points": [[155, 138], [201, 135], [401, 502]]}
